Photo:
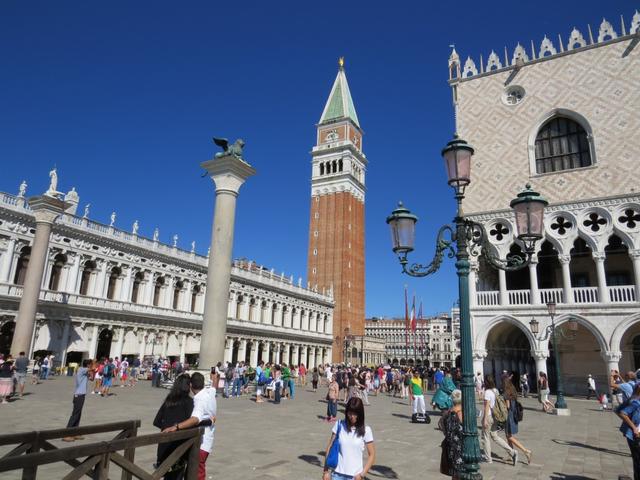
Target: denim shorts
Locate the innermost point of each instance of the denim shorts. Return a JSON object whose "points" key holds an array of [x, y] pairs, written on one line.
{"points": [[340, 476]]}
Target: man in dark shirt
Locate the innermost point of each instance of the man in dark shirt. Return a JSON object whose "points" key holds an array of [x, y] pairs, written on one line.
{"points": [[21, 365]]}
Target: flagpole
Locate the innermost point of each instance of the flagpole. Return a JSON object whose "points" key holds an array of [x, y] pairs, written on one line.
{"points": [[406, 326]]}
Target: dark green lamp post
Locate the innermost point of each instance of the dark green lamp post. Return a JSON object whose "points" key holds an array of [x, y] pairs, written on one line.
{"points": [[456, 241]]}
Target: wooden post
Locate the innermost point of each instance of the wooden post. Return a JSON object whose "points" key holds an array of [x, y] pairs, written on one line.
{"points": [[29, 473], [130, 453], [194, 457]]}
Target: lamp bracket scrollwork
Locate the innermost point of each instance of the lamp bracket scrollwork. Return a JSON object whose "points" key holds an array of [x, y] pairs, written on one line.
{"points": [[444, 245]]}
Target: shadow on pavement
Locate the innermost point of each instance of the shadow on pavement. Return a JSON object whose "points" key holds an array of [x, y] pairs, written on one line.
{"points": [[562, 476], [311, 459], [383, 471], [590, 447], [400, 415]]}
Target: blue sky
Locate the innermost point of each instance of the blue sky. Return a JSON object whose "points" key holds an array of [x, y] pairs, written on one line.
{"points": [[124, 98]]}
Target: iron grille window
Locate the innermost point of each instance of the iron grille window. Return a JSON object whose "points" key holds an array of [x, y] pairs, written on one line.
{"points": [[561, 144]]}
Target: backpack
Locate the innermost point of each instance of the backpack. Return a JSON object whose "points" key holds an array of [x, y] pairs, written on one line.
{"points": [[519, 412], [500, 412], [262, 378], [106, 371], [228, 374]]}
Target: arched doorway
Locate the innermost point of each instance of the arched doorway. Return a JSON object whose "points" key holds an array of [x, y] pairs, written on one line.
{"points": [[630, 348], [6, 336], [104, 344], [580, 356], [508, 348]]}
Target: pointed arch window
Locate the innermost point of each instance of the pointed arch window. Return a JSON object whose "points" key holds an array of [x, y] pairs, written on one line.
{"points": [[562, 144]]}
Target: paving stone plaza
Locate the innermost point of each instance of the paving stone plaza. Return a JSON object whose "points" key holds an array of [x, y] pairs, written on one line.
{"points": [[287, 441]]}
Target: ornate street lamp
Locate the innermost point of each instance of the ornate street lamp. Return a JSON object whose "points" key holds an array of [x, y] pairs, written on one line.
{"points": [[460, 240], [552, 331]]}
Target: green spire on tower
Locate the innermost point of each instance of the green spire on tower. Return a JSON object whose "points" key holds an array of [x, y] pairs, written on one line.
{"points": [[340, 104]]}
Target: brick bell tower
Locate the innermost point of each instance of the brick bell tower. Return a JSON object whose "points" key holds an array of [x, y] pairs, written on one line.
{"points": [[336, 229]]}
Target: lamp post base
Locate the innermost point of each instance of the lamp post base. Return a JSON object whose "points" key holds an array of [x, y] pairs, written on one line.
{"points": [[563, 412]]}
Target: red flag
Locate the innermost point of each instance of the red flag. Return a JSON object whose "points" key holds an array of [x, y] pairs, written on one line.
{"points": [[414, 322]]}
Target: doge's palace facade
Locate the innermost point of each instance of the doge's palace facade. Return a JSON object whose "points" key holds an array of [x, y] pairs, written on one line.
{"points": [[109, 292], [561, 115]]}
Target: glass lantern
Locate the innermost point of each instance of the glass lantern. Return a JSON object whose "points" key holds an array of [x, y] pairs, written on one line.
{"points": [[403, 229]]}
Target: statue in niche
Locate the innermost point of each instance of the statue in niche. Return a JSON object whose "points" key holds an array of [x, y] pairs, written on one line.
{"points": [[113, 219], [23, 189], [134, 228], [53, 184], [234, 149]]}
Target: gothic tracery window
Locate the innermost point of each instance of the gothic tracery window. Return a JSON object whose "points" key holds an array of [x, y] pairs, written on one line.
{"points": [[561, 144]]}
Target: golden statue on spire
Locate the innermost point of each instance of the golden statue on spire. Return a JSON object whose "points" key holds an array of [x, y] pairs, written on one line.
{"points": [[341, 62]]}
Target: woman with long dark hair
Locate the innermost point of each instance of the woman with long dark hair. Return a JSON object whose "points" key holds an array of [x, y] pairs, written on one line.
{"points": [[176, 408], [353, 436], [511, 427]]}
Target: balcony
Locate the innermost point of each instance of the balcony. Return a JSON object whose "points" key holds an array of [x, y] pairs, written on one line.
{"points": [[581, 295], [50, 296]]}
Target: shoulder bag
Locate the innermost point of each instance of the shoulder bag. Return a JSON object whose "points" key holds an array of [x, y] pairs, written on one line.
{"points": [[332, 457]]}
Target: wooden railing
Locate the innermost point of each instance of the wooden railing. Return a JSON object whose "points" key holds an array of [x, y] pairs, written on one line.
{"points": [[94, 459]]}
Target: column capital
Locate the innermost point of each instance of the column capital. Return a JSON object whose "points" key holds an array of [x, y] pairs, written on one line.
{"points": [[540, 355], [564, 259], [479, 354], [634, 254], [46, 209], [611, 356], [598, 256], [228, 173]]}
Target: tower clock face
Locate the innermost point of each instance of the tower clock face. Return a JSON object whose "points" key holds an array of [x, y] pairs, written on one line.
{"points": [[331, 136]]}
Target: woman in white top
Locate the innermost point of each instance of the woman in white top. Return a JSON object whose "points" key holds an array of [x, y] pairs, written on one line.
{"points": [[354, 436]]}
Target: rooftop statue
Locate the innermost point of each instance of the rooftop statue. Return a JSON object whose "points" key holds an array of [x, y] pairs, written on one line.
{"points": [[53, 186], [234, 149]]}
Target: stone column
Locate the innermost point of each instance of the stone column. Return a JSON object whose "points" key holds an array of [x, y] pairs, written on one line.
{"points": [[183, 348], [502, 280], [228, 351], [541, 361], [93, 346], [228, 173], [125, 291], [533, 281], [253, 353], [312, 358], [7, 260], [473, 280], [64, 342], [244, 309], [603, 292], [72, 279], [277, 349], [303, 355], [242, 350], [45, 209], [478, 362], [635, 258], [294, 356], [120, 344], [101, 280], [265, 352], [143, 344], [286, 358], [567, 290]]}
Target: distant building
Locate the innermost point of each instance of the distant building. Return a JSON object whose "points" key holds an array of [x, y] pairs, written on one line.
{"points": [[435, 341], [336, 227], [110, 292]]}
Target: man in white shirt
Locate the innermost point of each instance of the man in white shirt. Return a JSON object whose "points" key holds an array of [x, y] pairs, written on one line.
{"points": [[591, 387], [204, 408]]}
